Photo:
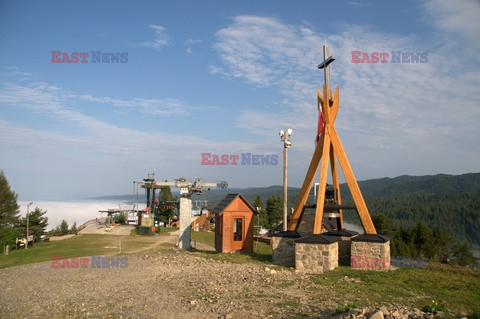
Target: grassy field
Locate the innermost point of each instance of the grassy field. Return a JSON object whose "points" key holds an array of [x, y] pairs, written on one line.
{"points": [[453, 288], [79, 246], [261, 251]]}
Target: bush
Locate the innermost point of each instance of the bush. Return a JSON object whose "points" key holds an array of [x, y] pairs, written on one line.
{"points": [[120, 219], [345, 308], [9, 235], [433, 307]]}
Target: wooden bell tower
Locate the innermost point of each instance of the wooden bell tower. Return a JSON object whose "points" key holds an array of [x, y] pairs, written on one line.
{"points": [[329, 148]]}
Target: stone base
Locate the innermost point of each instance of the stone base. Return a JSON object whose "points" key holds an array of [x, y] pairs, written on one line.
{"points": [[371, 252], [283, 246], [316, 253], [344, 244]]}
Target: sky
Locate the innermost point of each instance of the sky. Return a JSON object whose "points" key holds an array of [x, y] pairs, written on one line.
{"points": [[224, 77]]}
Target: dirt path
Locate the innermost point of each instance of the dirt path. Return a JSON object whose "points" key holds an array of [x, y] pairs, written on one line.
{"points": [[56, 238], [171, 238], [120, 230], [157, 285], [169, 284]]}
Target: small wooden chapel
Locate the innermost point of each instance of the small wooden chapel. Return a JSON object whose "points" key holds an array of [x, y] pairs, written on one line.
{"points": [[234, 219]]}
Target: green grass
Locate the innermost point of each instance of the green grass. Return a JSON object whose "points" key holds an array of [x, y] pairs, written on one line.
{"points": [[345, 308], [204, 237], [84, 245], [167, 230], [439, 287], [261, 251], [454, 288], [77, 246]]}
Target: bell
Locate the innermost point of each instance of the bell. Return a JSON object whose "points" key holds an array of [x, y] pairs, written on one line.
{"points": [[333, 215]]}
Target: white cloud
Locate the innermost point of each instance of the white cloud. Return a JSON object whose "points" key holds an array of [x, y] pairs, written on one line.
{"points": [[358, 4], [161, 38], [97, 154], [160, 107], [457, 18], [189, 43], [397, 118], [265, 51], [77, 211]]}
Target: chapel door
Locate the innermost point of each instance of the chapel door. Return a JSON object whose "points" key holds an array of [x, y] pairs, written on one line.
{"points": [[238, 233]]}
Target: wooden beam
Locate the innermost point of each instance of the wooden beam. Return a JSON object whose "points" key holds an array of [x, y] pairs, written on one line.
{"points": [[336, 104], [333, 162], [317, 226], [319, 100], [352, 183], [307, 185], [326, 107], [336, 183]]}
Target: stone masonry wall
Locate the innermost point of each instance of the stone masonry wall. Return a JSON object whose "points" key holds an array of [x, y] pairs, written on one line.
{"points": [[316, 258], [370, 255], [283, 251]]}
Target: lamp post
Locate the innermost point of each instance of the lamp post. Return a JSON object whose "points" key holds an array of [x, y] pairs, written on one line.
{"points": [[284, 135], [26, 238]]}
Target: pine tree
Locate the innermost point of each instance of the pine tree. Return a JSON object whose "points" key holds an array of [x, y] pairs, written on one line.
{"points": [[37, 223], [461, 255], [274, 211], [9, 213], [441, 240], [384, 225], [258, 202], [74, 229], [64, 227], [422, 240]]}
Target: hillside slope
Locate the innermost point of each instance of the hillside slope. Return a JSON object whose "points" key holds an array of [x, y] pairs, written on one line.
{"points": [[447, 201]]}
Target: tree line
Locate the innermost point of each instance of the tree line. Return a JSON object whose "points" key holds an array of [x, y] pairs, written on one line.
{"points": [[417, 241], [420, 241], [12, 226]]}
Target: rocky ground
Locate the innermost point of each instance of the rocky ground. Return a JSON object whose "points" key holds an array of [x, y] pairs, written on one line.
{"points": [[172, 284]]}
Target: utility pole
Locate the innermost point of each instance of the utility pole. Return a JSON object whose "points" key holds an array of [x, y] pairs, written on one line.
{"points": [[284, 135], [26, 238]]}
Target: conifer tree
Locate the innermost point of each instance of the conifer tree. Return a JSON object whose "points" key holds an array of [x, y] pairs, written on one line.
{"points": [[9, 213], [37, 223], [274, 211]]}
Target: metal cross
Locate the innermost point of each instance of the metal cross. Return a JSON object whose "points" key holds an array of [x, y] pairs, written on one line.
{"points": [[325, 65]]}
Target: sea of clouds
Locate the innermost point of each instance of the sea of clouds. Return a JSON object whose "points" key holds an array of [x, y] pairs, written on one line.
{"points": [[77, 211]]}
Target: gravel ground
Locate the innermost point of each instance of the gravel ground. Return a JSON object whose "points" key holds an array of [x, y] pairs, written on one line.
{"points": [[160, 285], [170, 284]]}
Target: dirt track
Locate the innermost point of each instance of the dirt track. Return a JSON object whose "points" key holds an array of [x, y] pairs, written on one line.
{"points": [[120, 230], [162, 285]]}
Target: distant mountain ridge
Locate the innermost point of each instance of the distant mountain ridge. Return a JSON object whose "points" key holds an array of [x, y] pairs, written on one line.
{"points": [[440, 184], [447, 201], [451, 202]]}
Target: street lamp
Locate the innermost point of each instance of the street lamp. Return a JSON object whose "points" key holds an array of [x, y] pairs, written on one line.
{"points": [[26, 238], [284, 135]]}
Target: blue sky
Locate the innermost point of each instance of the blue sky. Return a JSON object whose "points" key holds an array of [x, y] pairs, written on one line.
{"points": [[224, 77]]}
